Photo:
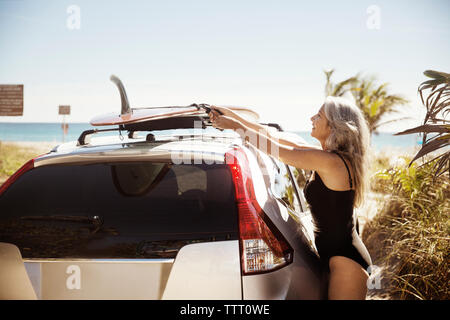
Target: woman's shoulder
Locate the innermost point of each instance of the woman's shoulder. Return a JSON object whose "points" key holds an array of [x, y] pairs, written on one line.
{"points": [[338, 173]]}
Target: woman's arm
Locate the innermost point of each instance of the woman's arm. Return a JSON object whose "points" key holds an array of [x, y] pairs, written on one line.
{"points": [[305, 158], [262, 129]]}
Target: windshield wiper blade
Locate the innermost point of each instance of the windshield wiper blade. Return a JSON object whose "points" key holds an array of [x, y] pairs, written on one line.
{"points": [[97, 221]]}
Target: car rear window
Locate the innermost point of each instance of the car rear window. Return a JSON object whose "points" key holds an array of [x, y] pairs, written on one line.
{"points": [[118, 210]]}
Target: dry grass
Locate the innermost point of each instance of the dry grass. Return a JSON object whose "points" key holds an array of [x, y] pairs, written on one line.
{"points": [[14, 155], [409, 237]]}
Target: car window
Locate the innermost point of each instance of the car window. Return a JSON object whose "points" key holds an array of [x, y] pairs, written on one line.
{"points": [[118, 210], [300, 177], [283, 187]]}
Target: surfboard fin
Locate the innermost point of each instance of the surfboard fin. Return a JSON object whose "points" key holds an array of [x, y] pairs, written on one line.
{"points": [[123, 95]]}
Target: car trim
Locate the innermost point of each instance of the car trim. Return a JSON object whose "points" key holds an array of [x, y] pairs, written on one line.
{"points": [[47, 260], [152, 156]]}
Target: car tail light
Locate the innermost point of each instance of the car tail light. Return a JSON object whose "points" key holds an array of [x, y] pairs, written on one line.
{"points": [[263, 247], [26, 167]]}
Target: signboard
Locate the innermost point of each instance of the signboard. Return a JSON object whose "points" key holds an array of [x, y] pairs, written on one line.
{"points": [[64, 109], [11, 99]]}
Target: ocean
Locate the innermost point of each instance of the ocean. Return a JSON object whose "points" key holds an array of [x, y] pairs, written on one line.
{"points": [[52, 132]]}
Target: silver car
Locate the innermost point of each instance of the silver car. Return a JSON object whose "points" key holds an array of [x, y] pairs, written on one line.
{"points": [[159, 213], [166, 217]]}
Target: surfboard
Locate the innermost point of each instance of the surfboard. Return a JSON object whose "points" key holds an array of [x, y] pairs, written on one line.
{"points": [[134, 115], [156, 113], [142, 114]]}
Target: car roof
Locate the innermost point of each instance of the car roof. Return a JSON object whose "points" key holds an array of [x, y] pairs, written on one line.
{"points": [[211, 145]]}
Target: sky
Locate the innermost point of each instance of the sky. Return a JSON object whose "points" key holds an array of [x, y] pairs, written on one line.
{"points": [[266, 55]]}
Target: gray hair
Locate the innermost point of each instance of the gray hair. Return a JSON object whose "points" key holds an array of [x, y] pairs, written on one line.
{"points": [[350, 137]]}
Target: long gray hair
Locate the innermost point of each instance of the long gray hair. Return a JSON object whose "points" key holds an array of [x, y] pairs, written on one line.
{"points": [[350, 137]]}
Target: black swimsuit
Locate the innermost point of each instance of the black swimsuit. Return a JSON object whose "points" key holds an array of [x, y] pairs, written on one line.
{"points": [[333, 217]]}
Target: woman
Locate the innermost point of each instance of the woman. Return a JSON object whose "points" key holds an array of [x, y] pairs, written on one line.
{"points": [[336, 187]]}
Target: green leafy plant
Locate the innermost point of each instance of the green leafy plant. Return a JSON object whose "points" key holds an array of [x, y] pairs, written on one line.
{"points": [[436, 127]]}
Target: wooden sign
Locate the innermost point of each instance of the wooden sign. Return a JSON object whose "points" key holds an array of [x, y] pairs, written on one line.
{"points": [[64, 109], [11, 99]]}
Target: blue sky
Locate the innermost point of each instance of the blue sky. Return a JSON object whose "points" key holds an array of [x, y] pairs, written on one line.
{"points": [[269, 55]]}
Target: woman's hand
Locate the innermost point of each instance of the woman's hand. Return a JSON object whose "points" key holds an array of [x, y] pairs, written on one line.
{"points": [[222, 121], [225, 111]]}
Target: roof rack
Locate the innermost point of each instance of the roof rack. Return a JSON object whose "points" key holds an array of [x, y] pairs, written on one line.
{"points": [[182, 122], [85, 136]]}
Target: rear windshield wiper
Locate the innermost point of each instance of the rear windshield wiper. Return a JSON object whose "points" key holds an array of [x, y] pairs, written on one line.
{"points": [[96, 221]]}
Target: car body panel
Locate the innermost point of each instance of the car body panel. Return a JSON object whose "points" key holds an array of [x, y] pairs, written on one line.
{"points": [[206, 271], [14, 281], [74, 279], [303, 278], [184, 151], [295, 281]]}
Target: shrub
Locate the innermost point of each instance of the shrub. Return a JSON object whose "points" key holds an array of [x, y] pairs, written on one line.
{"points": [[409, 237]]}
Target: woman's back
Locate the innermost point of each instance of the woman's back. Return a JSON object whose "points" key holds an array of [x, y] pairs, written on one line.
{"points": [[334, 219]]}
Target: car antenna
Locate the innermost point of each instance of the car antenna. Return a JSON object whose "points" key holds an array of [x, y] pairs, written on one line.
{"points": [[123, 95]]}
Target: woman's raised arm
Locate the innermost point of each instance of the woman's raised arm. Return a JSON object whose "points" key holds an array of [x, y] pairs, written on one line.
{"points": [[262, 129], [305, 158]]}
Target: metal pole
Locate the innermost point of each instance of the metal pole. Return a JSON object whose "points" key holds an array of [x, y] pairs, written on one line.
{"points": [[64, 128]]}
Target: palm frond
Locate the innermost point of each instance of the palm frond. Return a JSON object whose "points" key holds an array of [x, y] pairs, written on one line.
{"points": [[440, 165], [340, 88], [437, 75], [391, 121], [431, 146], [425, 128]]}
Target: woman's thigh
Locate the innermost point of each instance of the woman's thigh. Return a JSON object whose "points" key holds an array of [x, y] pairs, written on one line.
{"points": [[348, 279]]}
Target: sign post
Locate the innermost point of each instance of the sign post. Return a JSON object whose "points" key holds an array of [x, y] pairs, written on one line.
{"points": [[11, 99], [64, 110]]}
